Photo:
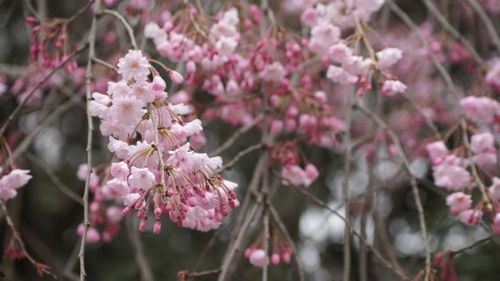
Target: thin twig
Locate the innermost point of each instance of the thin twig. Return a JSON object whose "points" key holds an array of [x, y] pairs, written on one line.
{"points": [[236, 135], [192, 275], [105, 63], [81, 11], [55, 179], [90, 128], [25, 143], [487, 21], [140, 257], [223, 276], [473, 245], [240, 154], [127, 26]]}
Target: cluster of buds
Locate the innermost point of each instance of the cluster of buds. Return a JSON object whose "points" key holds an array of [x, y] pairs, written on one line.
{"points": [[292, 173], [281, 250], [50, 45]]}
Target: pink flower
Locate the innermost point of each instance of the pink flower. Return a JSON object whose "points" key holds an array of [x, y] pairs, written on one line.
{"points": [[273, 72], [126, 110], [388, 57], [451, 174], [293, 174], [483, 147], [133, 66], [458, 202], [480, 109], [311, 174], [471, 217], [309, 17], [323, 36], [339, 75], [483, 142], [258, 258], [437, 151], [175, 76], [392, 87], [120, 170], [495, 188], [141, 178], [17, 178], [340, 52]]}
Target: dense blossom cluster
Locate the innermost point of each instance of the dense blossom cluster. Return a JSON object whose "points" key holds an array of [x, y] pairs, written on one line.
{"points": [[158, 169], [452, 171]]}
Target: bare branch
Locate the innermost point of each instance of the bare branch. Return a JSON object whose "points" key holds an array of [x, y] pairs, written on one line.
{"points": [[127, 26], [236, 135]]}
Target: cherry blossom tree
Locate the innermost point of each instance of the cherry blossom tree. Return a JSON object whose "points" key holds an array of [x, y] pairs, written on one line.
{"points": [[238, 140]]}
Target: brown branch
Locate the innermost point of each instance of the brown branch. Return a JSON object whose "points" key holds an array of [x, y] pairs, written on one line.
{"points": [[90, 127], [238, 156], [80, 12], [473, 245], [236, 135], [55, 179], [140, 257], [127, 26]]}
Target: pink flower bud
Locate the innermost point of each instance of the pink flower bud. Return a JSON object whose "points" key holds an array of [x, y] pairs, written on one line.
{"points": [[158, 212], [31, 20], [175, 76], [126, 211], [258, 258], [275, 259], [93, 236], [157, 227], [143, 225]]}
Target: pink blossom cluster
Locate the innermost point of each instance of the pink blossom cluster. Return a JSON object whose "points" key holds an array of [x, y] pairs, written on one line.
{"points": [[50, 44], [233, 75], [280, 250], [482, 110], [450, 172], [292, 173], [158, 169], [327, 22], [12, 181]]}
